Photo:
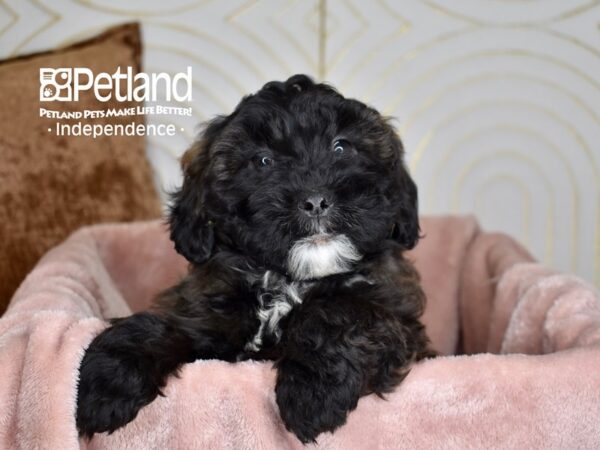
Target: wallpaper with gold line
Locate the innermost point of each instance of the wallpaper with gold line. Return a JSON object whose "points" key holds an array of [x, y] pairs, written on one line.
{"points": [[497, 101]]}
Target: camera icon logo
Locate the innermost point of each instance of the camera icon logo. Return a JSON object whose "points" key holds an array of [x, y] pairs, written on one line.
{"points": [[55, 84]]}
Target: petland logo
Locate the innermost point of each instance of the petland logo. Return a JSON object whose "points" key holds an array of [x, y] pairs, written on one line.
{"points": [[65, 85]]}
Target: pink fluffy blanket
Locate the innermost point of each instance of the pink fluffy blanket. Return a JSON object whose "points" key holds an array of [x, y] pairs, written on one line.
{"points": [[528, 375]]}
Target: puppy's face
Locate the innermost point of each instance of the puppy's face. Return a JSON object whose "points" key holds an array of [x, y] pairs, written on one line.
{"points": [[298, 179]]}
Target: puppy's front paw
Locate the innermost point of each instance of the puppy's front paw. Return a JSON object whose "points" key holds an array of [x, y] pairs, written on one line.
{"points": [[311, 403], [112, 388]]}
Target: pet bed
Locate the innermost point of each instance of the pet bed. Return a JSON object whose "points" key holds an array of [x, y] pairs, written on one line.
{"points": [[527, 374]]}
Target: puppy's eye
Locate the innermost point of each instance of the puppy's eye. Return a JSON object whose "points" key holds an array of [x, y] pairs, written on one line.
{"points": [[264, 161], [341, 146]]}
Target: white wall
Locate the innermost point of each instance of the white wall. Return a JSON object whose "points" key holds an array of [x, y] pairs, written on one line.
{"points": [[498, 101]]}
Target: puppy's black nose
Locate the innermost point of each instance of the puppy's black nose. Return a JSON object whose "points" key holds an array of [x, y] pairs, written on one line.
{"points": [[315, 205]]}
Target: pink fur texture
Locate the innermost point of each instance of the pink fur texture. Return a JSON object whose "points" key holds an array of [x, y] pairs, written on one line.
{"points": [[528, 376]]}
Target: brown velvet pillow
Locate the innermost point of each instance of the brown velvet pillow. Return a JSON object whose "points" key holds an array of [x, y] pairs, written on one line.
{"points": [[52, 185]]}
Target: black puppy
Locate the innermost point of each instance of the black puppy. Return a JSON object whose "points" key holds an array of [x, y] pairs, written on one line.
{"points": [[294, 213]]}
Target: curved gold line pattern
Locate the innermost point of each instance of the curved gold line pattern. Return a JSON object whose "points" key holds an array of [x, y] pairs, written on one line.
{"points": [[355, 37], [91, 31], [217, 42], [322, 69], [309, 22], [432, 72], [310, 63], [54, 18], [428, 136], [416, 156], [420, 49], [566, 15], [14, 17], [459, 182], [404, 29], [195, 112], [290, 37], [485, 76], [572, 39], [203, 62], [408, 56], [480, 194], [451, 151], [140, 13], [231, 18], [405, 23]]}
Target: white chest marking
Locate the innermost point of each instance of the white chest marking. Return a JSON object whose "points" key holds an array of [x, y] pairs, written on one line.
{"points": [[321, 255], [276, 299]]}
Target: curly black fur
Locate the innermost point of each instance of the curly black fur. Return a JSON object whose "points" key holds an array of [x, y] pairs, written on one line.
{"points": [[295, 162]]}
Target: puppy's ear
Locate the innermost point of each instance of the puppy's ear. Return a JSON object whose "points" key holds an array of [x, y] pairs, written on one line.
{"points": [[406, 227], [191, 228]]}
